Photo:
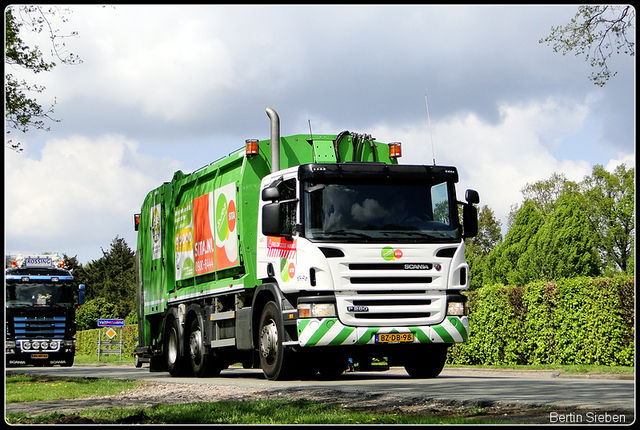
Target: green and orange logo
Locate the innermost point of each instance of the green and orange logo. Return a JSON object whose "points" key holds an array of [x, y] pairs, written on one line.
{"points": [[390, 254]]}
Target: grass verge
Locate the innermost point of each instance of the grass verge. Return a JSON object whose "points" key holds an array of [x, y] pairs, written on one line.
{"points": [[32, 388], [241, 412], [27, 388]]}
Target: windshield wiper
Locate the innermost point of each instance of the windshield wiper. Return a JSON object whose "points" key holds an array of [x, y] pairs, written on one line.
{"points": [[430, 235], [362, 235]]}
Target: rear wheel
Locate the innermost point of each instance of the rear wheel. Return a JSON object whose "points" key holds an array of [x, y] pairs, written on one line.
{"points": [[173, 348], [275, 359], [202, 362]]}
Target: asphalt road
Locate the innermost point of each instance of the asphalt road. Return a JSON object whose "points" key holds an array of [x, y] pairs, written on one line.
{"points": [[529, 387]]}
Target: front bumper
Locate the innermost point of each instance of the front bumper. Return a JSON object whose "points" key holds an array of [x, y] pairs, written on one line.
{"points": [[330, 332]]}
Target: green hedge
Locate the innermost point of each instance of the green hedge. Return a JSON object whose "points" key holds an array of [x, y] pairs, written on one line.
{"points": [[573, 321], [87, 340]]}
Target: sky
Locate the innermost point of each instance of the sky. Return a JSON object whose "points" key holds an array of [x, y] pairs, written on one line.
{"points": [[166, 88]]}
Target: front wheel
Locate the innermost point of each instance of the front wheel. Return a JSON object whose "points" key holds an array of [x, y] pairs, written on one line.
{"points": [[427, 362], [275, 358]]}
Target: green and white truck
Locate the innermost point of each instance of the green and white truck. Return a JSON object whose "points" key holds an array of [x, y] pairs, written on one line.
{"points": [[294, 254]]}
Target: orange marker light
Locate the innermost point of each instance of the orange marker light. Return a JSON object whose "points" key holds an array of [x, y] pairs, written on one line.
{"points": [[252, 146], [395, 150]]}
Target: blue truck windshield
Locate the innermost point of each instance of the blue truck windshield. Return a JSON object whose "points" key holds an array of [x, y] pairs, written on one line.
{"points": [[374, 212], [39, 294]]}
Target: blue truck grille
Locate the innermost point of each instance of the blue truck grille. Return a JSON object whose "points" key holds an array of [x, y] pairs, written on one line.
{"points": [[29, 327]]}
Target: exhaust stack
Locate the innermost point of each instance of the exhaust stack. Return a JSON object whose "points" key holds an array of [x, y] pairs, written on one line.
{"points": [[275, 139]]}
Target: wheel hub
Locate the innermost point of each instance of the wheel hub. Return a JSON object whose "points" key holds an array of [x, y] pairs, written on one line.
{"points": [[269, 341], [195, 346]]}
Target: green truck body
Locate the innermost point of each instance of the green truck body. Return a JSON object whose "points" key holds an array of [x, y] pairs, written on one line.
{"points": [[292, 259]]}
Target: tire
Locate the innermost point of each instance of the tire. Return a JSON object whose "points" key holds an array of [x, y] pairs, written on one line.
{"points": [[275, 359], [174, 347], [137, 362], [202, 361], [427, 362]]}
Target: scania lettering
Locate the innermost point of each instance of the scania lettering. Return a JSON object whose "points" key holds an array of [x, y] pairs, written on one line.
{"points": [[294, 254], [40, 310]]}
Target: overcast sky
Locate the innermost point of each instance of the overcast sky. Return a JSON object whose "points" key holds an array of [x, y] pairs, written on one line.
{"points": [[163, 88]]}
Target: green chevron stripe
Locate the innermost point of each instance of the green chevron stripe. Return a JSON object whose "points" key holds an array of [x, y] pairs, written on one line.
{"points": [[302, 324], [444, 334], [342, 336], [322, 330], [366, 337], [459, 326], [420, 335]]}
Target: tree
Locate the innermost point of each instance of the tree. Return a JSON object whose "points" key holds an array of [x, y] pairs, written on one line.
{"points": [[563, 247], [477, 248], [596, 32], [610, 206], [113, 277], [502, 264], [546, 192], [23, 112], [88, 315]]}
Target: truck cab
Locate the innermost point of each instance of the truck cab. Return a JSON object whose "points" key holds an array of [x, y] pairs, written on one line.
{"points": [[40, 312]]}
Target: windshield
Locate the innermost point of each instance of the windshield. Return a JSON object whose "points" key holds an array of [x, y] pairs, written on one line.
{"points": [[39, 294], [381, 212]]}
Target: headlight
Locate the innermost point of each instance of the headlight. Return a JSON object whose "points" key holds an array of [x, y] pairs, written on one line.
{"points": [[316, 310], [456, 308], [44, 345], [36, 345], [26, 345], [53, 344]]}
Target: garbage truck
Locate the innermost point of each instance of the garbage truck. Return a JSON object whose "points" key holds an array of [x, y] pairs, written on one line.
{"points": [[295, 254], [41, 302]]}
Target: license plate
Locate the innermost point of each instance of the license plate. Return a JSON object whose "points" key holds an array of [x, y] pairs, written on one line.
{"points": [[39, 355], [394, 337]]}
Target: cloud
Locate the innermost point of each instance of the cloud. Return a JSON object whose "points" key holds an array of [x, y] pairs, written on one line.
{"points": [[79, 195], [498, 159]]}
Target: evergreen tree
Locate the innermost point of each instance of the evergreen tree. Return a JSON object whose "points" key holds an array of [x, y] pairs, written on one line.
{"points": [[477, 248], [113, 277], [502, 263], [564, 247]]}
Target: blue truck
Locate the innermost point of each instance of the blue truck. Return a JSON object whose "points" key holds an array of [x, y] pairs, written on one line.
{"points": [[41, 303]]}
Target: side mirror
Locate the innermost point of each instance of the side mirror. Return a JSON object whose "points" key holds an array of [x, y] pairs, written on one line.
{"points": [[270, 194], [470, 220], [271, 219], [470, 213], [471, 196], [81, 294]]}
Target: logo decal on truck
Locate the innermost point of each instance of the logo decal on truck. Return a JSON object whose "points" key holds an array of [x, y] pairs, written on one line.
{"points": [[285, 250], [390, 254]]}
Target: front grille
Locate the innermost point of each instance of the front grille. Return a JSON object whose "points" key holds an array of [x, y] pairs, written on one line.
{"points": [[32, 326], [385, 309], [407, 290], [390, 266], [388, 316], [392, 280], [392, 302]]}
